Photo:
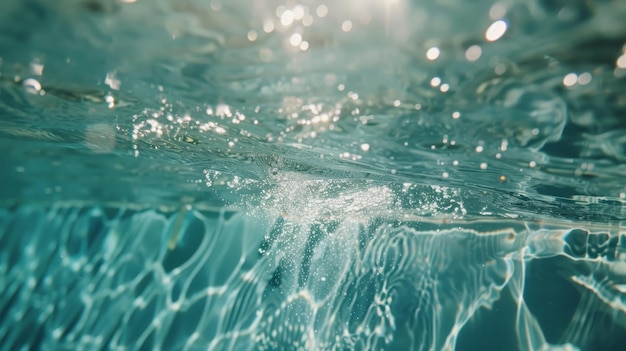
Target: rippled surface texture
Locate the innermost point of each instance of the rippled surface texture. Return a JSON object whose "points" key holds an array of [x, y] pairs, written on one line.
{"points": [[301, 175]]}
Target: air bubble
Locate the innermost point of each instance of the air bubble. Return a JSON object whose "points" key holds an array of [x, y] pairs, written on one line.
{"points": [[32, 86]]}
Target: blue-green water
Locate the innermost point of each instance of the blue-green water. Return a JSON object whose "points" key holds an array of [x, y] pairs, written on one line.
{"points": [[301, 175]]}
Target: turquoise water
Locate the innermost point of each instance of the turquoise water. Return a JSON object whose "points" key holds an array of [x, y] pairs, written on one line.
{"points": [[301, 175]]}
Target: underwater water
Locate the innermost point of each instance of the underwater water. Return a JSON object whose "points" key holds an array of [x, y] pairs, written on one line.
{"points": [[311, 175]]}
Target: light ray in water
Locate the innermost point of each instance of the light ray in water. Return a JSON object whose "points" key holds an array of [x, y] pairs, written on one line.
{"points": [[244, 282]]}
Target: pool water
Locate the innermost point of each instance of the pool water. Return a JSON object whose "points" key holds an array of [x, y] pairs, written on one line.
{"points": [[309, 175]]}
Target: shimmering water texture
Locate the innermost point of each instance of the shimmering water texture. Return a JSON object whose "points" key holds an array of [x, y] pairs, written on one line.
{"points": [[198, 280], [312, 175]]}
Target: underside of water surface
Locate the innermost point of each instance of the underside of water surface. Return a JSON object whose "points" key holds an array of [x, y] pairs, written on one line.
{"points": [[310, 175]]}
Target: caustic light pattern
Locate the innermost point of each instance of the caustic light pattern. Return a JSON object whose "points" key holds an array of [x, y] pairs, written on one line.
{"points": [[99, 278]]}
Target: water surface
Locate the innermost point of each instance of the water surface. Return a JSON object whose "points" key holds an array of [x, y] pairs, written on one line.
{"points": [[379, 174]]}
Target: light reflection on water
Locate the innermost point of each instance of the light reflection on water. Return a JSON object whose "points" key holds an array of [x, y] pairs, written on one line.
{"points": [[380, 114]]}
